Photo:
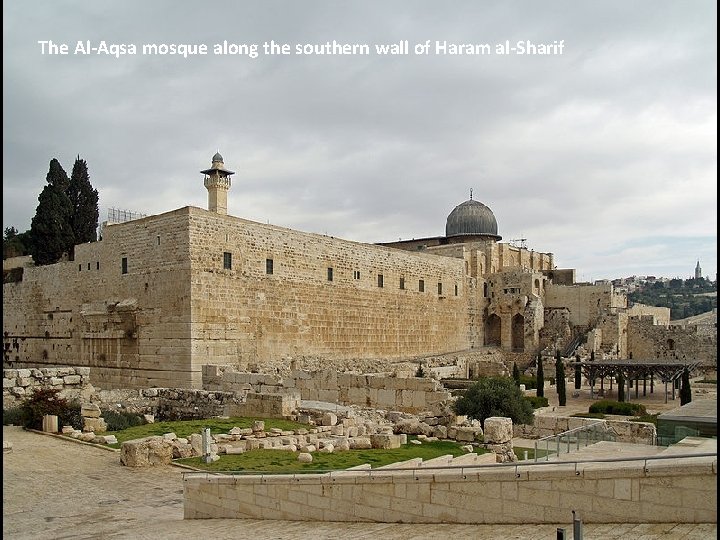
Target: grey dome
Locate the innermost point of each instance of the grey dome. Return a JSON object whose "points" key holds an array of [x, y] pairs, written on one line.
{"points": [[217, 157], [471, 218]]}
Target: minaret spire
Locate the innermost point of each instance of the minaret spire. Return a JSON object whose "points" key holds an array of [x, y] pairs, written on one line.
{"points": [[217, 182]]}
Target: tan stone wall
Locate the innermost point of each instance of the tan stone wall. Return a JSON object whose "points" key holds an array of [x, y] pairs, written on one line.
{"points": [[19, 384], [649, 341], [411, 394], [674, 491], [624, 431], [660, 315], [242, 315], [132, 328], [586, 303]]}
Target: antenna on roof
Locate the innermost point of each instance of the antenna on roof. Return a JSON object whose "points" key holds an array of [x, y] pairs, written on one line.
{"points": [[471, 194]]}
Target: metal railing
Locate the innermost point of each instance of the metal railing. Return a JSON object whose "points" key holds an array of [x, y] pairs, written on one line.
{"points": [[462, 470], [573, 439]]}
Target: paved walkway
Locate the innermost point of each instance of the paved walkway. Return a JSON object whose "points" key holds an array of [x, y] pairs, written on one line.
{"points": [[60, 489]]}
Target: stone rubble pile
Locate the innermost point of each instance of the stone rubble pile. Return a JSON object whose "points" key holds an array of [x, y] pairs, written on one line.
{"points": [[327, 432]]}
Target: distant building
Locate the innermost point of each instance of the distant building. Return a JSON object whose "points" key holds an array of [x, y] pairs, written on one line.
{"points": [[698, 271]]}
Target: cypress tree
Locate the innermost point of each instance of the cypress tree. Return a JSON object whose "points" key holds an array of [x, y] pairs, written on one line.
{"points": [[84, 199], [578, 373], [560, 380], [685, 390], [516, 374], [540, 377], [51, 232], [621, 387]]}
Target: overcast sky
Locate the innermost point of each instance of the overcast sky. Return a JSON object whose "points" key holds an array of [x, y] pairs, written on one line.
{"points": [[605, 155]]}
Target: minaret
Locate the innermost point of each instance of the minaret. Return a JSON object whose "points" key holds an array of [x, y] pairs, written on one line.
{"points": [[217, 182], [698, 271]]}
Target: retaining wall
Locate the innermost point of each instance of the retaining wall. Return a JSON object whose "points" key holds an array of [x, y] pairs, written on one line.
{"points": [[679, 491]]}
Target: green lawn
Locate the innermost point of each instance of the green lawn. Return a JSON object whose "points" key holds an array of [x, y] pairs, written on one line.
{"points": [[285, 461], [185, 428]]}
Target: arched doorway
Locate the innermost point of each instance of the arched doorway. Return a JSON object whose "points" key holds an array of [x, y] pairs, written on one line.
{"points": [[518, 333], [492, 330]]}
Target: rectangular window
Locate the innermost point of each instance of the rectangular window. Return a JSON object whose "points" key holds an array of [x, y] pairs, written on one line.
{"points": [[79, 267], [439, 288], [402, 283], [227, 260], [330, 274], [380, 280], [456, 289], [124, 265], [421, 285], [268, 266], [356, 274], [97, 265], [88, 266]]}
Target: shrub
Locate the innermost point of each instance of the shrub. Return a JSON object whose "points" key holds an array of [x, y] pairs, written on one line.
{"points": [[41, 402], [616, 407], [120, 420], [650, 418], [71, 416], [495, 396], [529, 381], [13, 416], [537, 401]]}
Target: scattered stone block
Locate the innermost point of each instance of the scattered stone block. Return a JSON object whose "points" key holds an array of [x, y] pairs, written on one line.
{"points": [[329, 419], [304, 457], [146, 452], [498, 430], [90, 410], [385, 441]]}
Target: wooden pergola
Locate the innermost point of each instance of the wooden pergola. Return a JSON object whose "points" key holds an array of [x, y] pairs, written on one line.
{"points": [[667, 371]]}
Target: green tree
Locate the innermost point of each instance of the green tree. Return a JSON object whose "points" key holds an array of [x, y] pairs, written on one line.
{"points": [[621, 387], [685, 390], [540, 377], [15, 244], [560, 379], [516, 374], [51, 232], [84, 199], [495, 396]]}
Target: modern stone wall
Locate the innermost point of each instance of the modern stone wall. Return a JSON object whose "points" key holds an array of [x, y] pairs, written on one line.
{"points": [[679, 491]]}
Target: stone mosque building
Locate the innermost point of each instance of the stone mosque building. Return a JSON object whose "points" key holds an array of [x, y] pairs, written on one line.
{"points": [[159, 297]]}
